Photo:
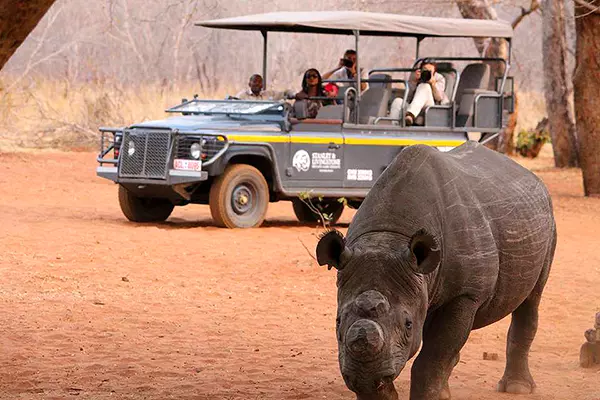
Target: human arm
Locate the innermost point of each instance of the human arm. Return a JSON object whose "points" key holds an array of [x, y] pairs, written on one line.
{"points": [[438, 89], [279, 95], [302, 95], [363, 77], [242, 95], [328, 74]]}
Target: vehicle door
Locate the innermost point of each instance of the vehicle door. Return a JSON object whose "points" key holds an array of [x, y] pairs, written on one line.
{"points": [[316, 156], [366, 155]]}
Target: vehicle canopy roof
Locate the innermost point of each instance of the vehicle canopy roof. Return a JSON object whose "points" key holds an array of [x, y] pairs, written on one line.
{"points": [[367, 23]]}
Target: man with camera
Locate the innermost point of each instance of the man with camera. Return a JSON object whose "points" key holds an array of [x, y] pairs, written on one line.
{"points": [[346, 69], [430, 90]]}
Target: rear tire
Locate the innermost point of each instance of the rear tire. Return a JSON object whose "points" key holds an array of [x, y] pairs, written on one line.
{"points": [[141, 209], [239, 198], [326, 206]]}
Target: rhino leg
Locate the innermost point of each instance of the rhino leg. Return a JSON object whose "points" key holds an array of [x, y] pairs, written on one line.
{"points": [[444, 335], [445, 393], [524, 321]]}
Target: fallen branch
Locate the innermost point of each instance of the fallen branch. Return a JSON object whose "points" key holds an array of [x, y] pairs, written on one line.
{"points": [[307, 250]]}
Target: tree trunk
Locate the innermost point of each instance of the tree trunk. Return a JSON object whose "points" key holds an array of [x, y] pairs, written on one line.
{"points": [[562, 127], [17, 20], [482, 9], [586, 84]]}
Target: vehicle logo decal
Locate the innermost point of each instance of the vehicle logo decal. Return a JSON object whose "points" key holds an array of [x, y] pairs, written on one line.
{"points": [[326, 162], [359, 174], [301, 161]]}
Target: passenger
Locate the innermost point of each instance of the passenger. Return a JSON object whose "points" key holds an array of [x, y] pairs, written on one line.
{"points": [[346, 69], [331, 90], [312, 86], [430, 90], [255, 91]]}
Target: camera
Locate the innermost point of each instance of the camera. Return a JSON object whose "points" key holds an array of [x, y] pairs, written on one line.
{"points": [[425, 75], [347, 63]]}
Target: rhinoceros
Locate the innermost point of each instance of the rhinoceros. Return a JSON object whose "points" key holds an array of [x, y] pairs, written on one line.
{"points": [[444, 243]]}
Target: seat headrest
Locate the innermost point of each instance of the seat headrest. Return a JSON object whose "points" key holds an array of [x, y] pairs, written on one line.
{"points": [[474, 76], [444, 67], [384, 80]]}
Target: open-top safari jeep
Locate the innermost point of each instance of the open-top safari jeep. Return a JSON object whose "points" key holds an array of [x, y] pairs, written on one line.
{"points": [[237, 156]]}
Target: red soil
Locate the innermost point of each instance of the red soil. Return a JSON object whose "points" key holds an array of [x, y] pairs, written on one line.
{"points": [[96, 307]]}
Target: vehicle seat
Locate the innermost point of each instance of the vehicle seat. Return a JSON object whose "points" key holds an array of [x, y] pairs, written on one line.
{"points": [[473, 80], [447, 70], [331, 112], [374, 100]]}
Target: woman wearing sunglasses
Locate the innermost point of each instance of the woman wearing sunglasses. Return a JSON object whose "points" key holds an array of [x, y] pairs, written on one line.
{"points": [[312, 86]]}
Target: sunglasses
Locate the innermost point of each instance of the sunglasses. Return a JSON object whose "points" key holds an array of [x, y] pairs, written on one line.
{"points": [[312, 76]]}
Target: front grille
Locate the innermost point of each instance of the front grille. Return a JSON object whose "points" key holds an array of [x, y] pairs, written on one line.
{"points": [[150, 157], [211, 145]]}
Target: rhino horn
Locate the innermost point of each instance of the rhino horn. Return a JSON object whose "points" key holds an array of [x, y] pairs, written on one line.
{"points": [[332, 250], [364, 339]]}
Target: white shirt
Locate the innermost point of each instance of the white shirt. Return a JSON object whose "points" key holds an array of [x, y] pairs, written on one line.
{"points": [[343, 73], [440, 85], [265, 95]]}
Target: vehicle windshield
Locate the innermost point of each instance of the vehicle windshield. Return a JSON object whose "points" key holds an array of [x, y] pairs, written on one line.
{"points": [[239, 107]]}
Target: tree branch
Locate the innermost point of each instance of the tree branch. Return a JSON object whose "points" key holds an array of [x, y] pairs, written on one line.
{"points": [[587, 5], [535, 5]]}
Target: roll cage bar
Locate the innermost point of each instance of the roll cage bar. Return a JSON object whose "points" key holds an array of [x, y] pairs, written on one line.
{"points": [[380, 26]]}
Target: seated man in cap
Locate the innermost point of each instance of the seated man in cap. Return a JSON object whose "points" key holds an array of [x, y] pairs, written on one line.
{"points": [[255, 91]]}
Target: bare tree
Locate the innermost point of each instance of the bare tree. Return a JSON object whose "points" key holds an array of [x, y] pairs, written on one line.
{"points": [[17, 20], [560, 118], [495, 48], [587, 86]]}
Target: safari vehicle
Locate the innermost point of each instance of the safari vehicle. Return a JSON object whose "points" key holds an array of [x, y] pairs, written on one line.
{"points": [[237, 156]]}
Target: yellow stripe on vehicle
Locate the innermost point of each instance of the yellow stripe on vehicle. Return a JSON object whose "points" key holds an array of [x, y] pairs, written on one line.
{"points": [[403, 142], [349, 140], [259, 138]]}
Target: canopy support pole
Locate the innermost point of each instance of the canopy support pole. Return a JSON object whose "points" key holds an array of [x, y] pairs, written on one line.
{"points": [[358, 80], [264, 69], [419, 39]]}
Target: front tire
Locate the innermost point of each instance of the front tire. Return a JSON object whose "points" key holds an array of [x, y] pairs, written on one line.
{"points": [[142, 209], [305, 214], [239, 198]]}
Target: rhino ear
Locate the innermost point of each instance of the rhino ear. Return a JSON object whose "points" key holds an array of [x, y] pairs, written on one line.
{"points": [[332, 250], [426, 251]]}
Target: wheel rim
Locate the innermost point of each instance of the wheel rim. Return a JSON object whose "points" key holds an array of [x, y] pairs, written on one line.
{"points": [[243, 198]]}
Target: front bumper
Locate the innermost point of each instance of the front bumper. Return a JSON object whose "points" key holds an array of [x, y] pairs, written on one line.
{"points": [[174, 177]]}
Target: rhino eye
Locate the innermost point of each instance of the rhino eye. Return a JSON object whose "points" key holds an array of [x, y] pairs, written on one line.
{"points": [[408, 324]]}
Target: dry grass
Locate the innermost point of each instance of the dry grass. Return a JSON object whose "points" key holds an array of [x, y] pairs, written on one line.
{"points": [[59, 114]]}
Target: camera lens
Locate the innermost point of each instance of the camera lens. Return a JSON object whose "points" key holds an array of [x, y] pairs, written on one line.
{"points": [[425, 75]]}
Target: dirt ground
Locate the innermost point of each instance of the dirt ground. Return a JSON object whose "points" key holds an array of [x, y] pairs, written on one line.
{"points": [[95, 307]]}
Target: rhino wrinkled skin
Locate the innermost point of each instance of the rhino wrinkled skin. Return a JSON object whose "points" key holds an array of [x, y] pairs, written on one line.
{"points": [[443, 244]]}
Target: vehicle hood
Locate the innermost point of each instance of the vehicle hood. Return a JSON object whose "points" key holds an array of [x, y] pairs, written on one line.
{"points": [[190, 123]]}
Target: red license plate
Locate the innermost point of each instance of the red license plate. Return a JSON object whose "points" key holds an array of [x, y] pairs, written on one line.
{"points": [[188, 165]]}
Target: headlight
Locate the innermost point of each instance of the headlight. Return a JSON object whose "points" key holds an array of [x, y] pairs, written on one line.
{"points": [[131, 148], [195, 150]]}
